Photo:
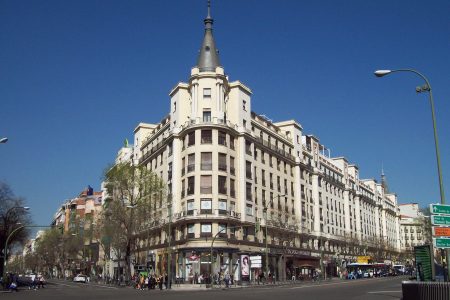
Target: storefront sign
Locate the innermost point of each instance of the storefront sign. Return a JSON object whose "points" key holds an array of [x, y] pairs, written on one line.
{"points": [[256, 261]]}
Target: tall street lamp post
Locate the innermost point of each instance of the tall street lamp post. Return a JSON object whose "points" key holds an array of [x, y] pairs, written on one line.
{"points": [[265, 220], [426, 88], [169, 252]]}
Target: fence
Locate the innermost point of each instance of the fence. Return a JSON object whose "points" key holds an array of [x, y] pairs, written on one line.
{"points": [[413, 290]]}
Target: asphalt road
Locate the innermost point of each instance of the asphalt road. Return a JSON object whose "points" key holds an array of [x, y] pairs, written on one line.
{"points": [[368, 289]]}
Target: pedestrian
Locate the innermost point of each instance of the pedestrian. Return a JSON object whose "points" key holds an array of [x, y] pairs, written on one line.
{"points": [[160, 282], [166, 281], [227, 280]]}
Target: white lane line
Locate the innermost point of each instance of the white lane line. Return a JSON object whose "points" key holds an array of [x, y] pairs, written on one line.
{"points": [[82, 286], [379, 292], [315, 285]]}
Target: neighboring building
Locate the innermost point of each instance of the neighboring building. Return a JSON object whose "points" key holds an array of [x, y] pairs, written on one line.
{"points": [[78, 216], [412, 223], [224, 164]]}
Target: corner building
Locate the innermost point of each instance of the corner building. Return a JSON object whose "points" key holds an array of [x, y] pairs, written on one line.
{"points": [[224, 164]]}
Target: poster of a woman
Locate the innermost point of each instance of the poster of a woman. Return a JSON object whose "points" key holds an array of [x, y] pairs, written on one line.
{"points": [[245, 266]]}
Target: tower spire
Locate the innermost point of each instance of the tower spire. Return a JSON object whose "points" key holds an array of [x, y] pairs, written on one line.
{"points": [[208, 58], [384, 184]]}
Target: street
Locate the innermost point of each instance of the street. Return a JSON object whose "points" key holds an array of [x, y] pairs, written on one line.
{"points": [[368, 289]]}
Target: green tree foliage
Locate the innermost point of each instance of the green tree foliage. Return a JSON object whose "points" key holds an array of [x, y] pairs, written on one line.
{"points": [[135, 198], [10, 219]]}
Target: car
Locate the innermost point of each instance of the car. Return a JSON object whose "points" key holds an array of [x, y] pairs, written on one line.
{"points": [[80, 278]]}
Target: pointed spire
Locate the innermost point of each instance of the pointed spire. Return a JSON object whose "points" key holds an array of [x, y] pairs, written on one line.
{"points": [[384, 184], [208, 58]]}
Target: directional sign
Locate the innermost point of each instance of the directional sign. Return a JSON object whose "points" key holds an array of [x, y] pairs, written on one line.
{"points": [[440, 209], [442, 243], [440, 220], [441, 231]]}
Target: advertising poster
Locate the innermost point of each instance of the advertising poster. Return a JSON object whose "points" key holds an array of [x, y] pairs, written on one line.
{"points": [[245, 267]]}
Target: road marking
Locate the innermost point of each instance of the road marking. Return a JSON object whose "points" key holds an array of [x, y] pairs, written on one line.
{"points": [[315, 285], [379, 292]]}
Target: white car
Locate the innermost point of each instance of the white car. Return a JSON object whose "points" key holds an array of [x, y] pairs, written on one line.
{"points": [[80, 278]]}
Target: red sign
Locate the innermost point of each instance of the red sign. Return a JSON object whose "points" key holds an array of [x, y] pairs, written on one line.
{"points": [[441, 231]]}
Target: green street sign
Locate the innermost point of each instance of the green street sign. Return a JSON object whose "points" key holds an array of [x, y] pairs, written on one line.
{"points": [[440, 220], [443, 243], [440, 209]]}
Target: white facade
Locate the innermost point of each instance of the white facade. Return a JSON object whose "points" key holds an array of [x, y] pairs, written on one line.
{"points": [[224, 164], [412, 229]]}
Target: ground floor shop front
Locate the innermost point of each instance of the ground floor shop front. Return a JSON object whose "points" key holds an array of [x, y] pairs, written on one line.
{"points": [[242, 264]]}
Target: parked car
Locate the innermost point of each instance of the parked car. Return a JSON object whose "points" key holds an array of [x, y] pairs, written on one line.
{"points": [[80, 278]]}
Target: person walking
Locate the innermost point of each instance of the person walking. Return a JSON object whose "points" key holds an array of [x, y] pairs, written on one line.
{"points": [[160, 282]]}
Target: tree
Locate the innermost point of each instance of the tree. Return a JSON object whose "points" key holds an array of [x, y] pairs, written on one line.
{"points": [[57, 250], [135, 197], [11, 216]]}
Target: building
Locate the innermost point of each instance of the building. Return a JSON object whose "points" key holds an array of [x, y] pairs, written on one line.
{"points": [[412, 227], [226, 166], [78, 216]]}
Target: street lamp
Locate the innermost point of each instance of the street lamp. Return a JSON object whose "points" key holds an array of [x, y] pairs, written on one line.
{"points": [[3, 140], [265, 220], [425, 88]]}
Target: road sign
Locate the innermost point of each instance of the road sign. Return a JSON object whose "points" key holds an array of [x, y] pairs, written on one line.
{"points": [[441, 231], [443, 243], [440, 220], [440, 209]]}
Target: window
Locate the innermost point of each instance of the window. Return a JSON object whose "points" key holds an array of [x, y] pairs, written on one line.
{"points": [[222, 230], [206, 136], [207, 94], [205, 229], [191, 230], [222, 162], [244, 105], [191, 185], [207, 116], [222, 185], [182, 189], [232, 169], [232, 190], [222, 138], [231, 142], [249, 210], [263, 177], [248, 169], [248, 147], [206, 206], [169, 172], [206, 163], [174, 107], [222, 206], [248, 189], [191, 163], [190, 208], [191, 139], [206, 184]]}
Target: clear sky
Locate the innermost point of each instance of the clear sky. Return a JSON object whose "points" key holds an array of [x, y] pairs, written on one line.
{"points": [[76, 77]]}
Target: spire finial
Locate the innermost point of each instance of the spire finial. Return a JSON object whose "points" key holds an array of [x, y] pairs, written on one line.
{"points": [[209, 10]]}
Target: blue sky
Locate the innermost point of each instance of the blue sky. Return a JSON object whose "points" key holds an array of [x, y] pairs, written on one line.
{"points": [[76, 77]]}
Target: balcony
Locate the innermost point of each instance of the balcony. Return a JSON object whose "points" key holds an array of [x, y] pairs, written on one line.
{"points": [[206, 166], [196, 214], [206, 190], [223, 167], [232, 171]]}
